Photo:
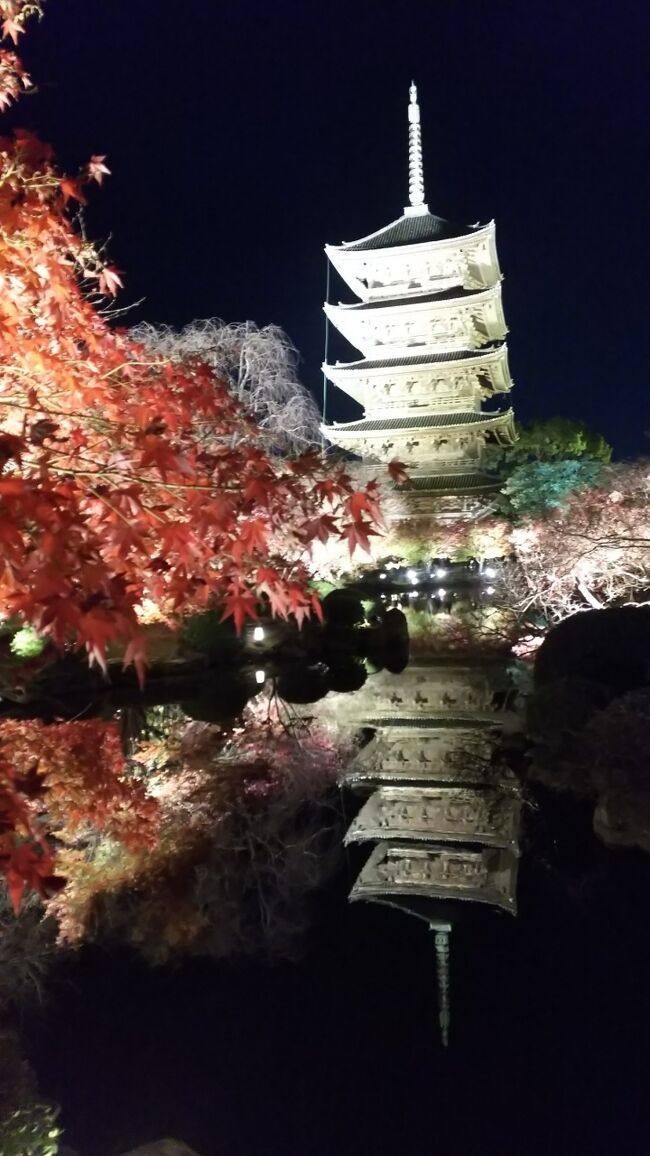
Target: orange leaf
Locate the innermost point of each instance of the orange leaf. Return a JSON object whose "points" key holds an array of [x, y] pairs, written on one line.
{"points": [[239, 605], [12, 27], [110, 281], [97, 169], [72, 190]]}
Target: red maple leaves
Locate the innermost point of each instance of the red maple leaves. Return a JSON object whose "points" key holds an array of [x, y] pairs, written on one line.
{"points": [[60, 778], [124, 478]]}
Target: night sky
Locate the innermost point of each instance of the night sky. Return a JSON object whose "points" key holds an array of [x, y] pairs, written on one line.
{"points": [[244, 136]]}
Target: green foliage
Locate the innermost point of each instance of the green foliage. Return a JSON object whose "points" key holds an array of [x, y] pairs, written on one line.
{"points": [[26, 948], [534, 487], [31, 1131], [26, 643], [322, 587], [555, 439], [207, 634]]}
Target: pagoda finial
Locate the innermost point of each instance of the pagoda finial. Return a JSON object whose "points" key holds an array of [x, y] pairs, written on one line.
{"points": [[416, 171]]}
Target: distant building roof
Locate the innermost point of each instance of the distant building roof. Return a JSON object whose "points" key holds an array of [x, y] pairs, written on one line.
{"points": [[410, 230], [413, 421]]}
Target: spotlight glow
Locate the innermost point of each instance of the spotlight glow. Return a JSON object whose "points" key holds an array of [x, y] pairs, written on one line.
{"points": [[441, 592], [258, 634], [260, 677], [490, 572], [441, 572]]}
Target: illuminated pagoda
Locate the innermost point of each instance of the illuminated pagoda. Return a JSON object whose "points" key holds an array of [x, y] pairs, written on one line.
{"points": [[440, 811], [431, 329]]}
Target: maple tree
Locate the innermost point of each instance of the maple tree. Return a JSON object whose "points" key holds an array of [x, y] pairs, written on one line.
{"points": [[126, 477], [64, 778], [248, 829]]}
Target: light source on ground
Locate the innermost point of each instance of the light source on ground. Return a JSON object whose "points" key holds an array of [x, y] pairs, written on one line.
{"points": [[382, 575], [490, 590], [411, 575], [490, 572], [258, 634], [441, 592], [260, 677], [441, 572]]}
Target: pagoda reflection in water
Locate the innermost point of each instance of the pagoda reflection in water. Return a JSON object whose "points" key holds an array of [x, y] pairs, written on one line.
{"points": [[442, 813]]}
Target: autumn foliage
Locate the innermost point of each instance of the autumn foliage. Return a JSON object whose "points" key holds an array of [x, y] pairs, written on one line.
{"points": [[124, 476], [593, 551], [247, 830], [66, 778]]}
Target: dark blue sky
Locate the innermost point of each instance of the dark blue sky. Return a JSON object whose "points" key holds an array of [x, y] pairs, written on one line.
{"points": [[243, 136]]}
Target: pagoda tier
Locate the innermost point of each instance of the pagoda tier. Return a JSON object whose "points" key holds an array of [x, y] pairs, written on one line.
{"points": [[455, 496], [454, 814], [444, 691], [433, 442], [413, 871], [429, 751], [449, 321], [418, 253], [460, 380]]}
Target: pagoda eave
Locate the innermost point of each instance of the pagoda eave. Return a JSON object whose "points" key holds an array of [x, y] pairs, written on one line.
{"points": [[377, 271], [445, 322], [501, 424], [396, 244], [487, 370]]}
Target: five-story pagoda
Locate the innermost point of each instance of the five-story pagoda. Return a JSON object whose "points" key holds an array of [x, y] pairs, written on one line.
{"points": [[441, 808], [431, 329]]}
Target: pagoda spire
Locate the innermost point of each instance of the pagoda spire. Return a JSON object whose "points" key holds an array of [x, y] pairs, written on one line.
{"points": [[417, 203], [442, 934]]}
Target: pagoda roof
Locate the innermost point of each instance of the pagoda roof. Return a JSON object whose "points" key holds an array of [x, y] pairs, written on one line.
{"points": [[433, 358], [412, 727], [425, 421], [456, 293], [410, 229], [449, 483]]}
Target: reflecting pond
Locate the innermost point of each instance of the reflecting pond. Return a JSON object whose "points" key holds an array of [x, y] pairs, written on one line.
{"points": [[381, 758]]}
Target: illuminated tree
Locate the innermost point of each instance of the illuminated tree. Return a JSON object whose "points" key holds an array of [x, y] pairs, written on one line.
{"points": [[248, 830], [535, 487], [126, 478], [126, 475], [594, 551], [553, 439], [259, 367], [68, 780]]}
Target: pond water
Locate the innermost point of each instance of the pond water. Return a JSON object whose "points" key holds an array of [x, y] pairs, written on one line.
{"points": [[341, 1050]]}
